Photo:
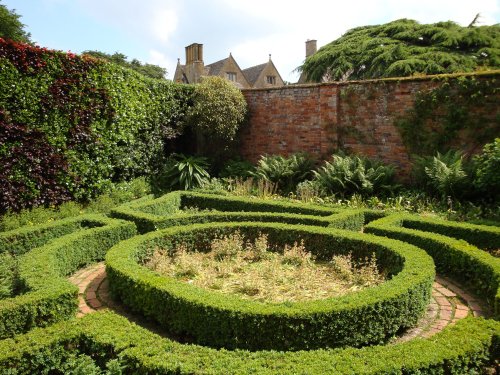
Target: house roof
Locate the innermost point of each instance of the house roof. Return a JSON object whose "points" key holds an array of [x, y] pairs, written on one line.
{"points": [[253, 73], [215, 68]]}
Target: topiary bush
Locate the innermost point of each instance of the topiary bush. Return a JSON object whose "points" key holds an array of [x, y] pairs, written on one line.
{"points": [[71, 125], [219, 108], [210, 318]]}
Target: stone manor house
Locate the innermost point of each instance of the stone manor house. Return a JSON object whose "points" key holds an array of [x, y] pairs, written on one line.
{"points": [[259, 76]]}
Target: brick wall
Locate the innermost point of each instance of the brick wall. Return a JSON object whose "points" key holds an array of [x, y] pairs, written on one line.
{"points": [[356, 116]]}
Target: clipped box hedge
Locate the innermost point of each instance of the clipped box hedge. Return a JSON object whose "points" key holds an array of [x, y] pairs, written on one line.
{"points": [[21, 240], [160, 213], [483, 236], [462, 348], [210, 318], [47, 296], [454, 257]]}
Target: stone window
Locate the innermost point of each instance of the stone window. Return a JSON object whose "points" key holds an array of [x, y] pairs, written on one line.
{"points": [[231, 76], [271, 80]]}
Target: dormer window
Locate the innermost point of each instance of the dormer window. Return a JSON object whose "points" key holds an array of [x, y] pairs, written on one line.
{"points": [[231, 76], [271, 80]]}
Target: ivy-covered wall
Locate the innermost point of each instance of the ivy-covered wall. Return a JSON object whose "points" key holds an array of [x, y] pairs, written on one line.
{"points": [[71, 125], [388, 119]]}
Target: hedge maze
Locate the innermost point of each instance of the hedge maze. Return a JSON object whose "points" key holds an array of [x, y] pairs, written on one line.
{"points": [[352, 334]]}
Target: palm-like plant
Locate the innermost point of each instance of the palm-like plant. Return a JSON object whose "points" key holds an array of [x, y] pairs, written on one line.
{"points": [[285, 172], [187, 172]]}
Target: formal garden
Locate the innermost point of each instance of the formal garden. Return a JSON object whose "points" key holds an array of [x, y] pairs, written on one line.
{"points": [[135, 240]]}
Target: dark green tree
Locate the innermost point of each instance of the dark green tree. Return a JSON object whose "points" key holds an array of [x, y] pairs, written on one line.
{"points": [[148, 70], [405, 48], [11, 27]]}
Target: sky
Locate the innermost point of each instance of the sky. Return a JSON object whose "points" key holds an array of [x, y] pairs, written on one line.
{"points": [[156, 31]]}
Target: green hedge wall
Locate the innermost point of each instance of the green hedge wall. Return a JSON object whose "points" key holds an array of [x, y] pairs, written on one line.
{"points": [[19, 241], [47, 296], [453, 257], [483, 236], [161, 212], [70, 125], [460, 349], [368, 316]]}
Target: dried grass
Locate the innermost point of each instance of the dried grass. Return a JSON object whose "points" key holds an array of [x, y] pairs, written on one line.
{"points": [[250, 270]]}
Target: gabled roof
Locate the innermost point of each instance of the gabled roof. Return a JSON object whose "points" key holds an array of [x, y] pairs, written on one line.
{"points": [[253, 73], [215, 68]]}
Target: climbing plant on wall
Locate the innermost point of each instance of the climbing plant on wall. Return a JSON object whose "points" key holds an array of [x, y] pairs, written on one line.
{"points": [[454, 110]]}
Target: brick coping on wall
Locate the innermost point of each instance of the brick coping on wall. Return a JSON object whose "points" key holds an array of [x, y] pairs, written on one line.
{"points": [[485, 73]]}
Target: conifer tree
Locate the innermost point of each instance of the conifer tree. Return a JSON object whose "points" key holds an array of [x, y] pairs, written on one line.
{"points": [[404, 48]]}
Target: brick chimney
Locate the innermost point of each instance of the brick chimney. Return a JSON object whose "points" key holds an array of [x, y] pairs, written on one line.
{"points": [[194, 53], [311, 47], [195, 67]]}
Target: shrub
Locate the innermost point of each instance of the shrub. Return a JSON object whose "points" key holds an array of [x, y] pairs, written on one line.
{"points": [[453, 257], [442, 174], [47, 254], [70, 125], [487, 170], [119, 194], [286, 172], [187, 172], [7, 275], [237, 169], [464, 348], [368, 316], [347, 175], [219, 108]]}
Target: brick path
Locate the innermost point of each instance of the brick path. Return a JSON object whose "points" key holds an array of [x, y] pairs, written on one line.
{"points": [[449, 301]]}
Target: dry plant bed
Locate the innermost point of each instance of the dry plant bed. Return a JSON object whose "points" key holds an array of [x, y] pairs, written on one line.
{"points": [[253, 270]]}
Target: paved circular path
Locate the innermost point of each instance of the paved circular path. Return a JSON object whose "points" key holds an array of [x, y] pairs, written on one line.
{"points": [[449, 301]]}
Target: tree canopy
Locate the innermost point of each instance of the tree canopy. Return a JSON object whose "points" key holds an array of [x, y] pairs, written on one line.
{"points": [[149, 70], [11, 27], [404, 48]]}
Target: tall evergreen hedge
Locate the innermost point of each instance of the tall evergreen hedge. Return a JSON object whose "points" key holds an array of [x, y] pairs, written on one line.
{"points": [[71, 125]]}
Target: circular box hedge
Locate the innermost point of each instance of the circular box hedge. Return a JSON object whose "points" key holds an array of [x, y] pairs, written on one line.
{"points": [[210, 318]]}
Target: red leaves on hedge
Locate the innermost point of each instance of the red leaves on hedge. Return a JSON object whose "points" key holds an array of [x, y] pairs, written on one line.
{"points": [[32, 172]]}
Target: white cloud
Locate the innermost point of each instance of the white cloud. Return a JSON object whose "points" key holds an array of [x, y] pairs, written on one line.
{"points": [[164, 24], [155, 19]]}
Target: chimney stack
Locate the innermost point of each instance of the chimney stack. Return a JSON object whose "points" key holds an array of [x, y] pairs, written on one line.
{"points": [[194, 53], [311, 47]]}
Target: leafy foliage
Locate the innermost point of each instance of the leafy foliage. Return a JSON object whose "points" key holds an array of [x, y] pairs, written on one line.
{"points": [[219, 108], [91, 122], [187, 172], [454, 111], [11, 27], [148, 70], [487, 169], [237, 169], [287, 172], [442, 174], [347, 175], [7, 275], [404, 48]]}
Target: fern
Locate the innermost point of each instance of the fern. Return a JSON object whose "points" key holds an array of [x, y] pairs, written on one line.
{"points": [[347, 175], [285, 172], [443, 174]]}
